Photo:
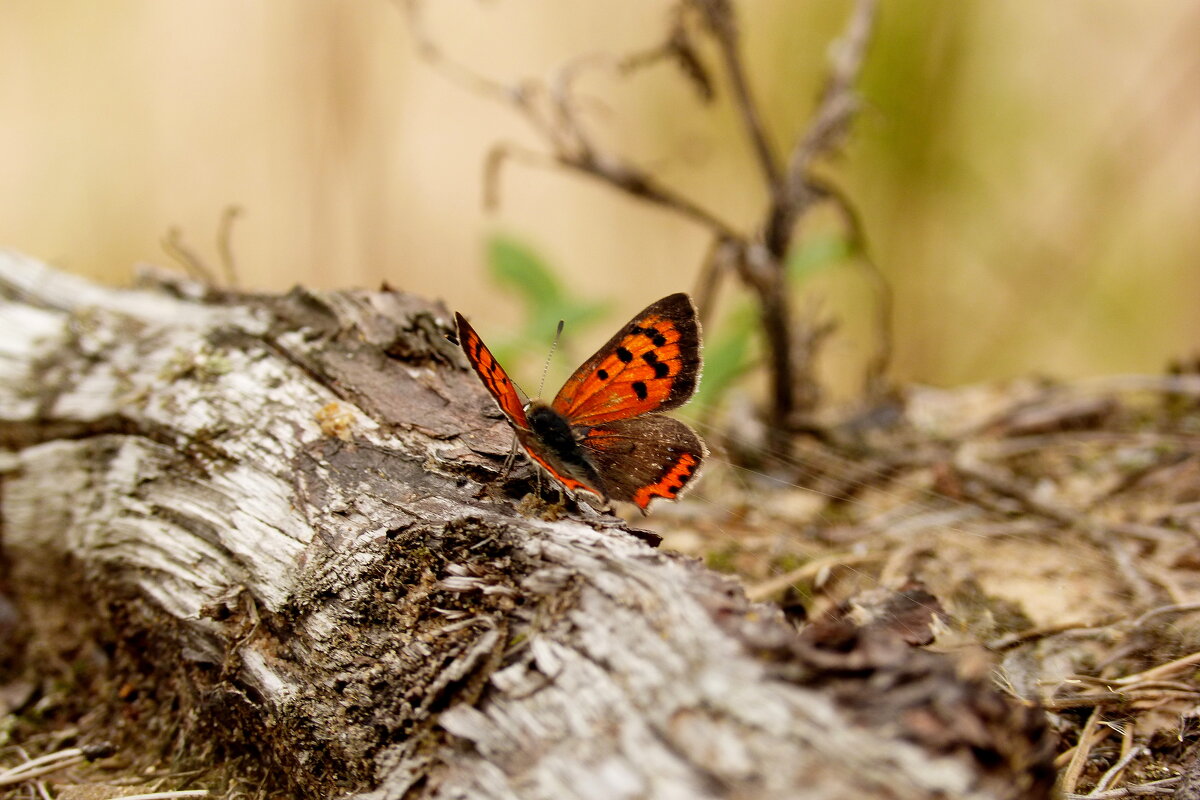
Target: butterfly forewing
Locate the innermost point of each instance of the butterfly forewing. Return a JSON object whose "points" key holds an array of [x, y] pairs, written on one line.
{"points": [[643, 458], [494, 378], [652, 364]]}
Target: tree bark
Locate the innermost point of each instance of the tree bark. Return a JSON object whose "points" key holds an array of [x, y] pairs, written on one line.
{"points": [[286, 499]]}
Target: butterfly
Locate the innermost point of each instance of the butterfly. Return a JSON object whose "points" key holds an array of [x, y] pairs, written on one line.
{"points": [[602, 433]]}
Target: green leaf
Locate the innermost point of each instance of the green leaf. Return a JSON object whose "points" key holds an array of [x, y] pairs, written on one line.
{"points": [[518, 269], [727, 356]]}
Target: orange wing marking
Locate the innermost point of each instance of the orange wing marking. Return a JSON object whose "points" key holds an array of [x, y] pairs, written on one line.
{"points": [[670, 484], [634, 378], [494, 378]]}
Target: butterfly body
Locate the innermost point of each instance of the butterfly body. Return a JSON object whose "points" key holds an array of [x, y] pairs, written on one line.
{"points": [[600, 433], [560, 444]]}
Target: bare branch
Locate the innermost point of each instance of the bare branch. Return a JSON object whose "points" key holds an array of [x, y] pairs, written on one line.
{"points": [[839, 101], [877, 367], [192, 264], [501, 153], [429, 51], [807, 340], [524, 95], [834, 113], [679, 48], [718, 17], [225, 244], [561, 92], [552, 108], [551, 111], [640, 184], [717, 261]]}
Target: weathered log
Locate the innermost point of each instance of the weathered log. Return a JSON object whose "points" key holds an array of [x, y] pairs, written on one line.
{"points": [[283, 496]]}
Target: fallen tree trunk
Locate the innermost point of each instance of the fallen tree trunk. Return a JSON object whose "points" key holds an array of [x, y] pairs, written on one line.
{"points": [[273, 505]]}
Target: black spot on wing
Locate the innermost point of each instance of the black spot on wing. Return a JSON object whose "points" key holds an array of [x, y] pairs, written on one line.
{"points": [[624, 355], [602, 374], [650, 333], [639, 388], [661, 370]]}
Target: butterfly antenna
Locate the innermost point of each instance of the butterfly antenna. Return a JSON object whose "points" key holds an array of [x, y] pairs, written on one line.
{"points": [[550, 355]]}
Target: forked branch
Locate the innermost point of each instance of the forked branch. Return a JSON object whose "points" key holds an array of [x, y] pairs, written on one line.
{"points": [[756, 255]]}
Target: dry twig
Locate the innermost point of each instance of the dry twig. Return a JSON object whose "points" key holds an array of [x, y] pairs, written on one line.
{"points": [[758, 256], [1087, 740], [52, 762], [195, 266], [1163, 788], [969, 466], [764, 590]]}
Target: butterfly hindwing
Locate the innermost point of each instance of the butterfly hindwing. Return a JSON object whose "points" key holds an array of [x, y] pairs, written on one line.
{"points": [[651, 364], [494, 378], [645, 457]]}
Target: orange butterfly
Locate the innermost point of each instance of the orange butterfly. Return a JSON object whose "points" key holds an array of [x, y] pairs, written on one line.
{"points": [[600, 433]]}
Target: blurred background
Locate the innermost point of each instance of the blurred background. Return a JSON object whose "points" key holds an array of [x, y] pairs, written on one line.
{"points": [[1028, 173]]}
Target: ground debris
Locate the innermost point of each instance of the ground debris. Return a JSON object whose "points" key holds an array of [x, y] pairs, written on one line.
{"points": [[1048, 529]]}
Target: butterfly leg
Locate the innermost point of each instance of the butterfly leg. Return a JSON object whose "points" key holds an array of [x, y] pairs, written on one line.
{"points": [[512, 456], [559, 492]]}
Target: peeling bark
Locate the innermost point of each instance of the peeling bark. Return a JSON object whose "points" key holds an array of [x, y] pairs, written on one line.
{"points": [[284, 494]]}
